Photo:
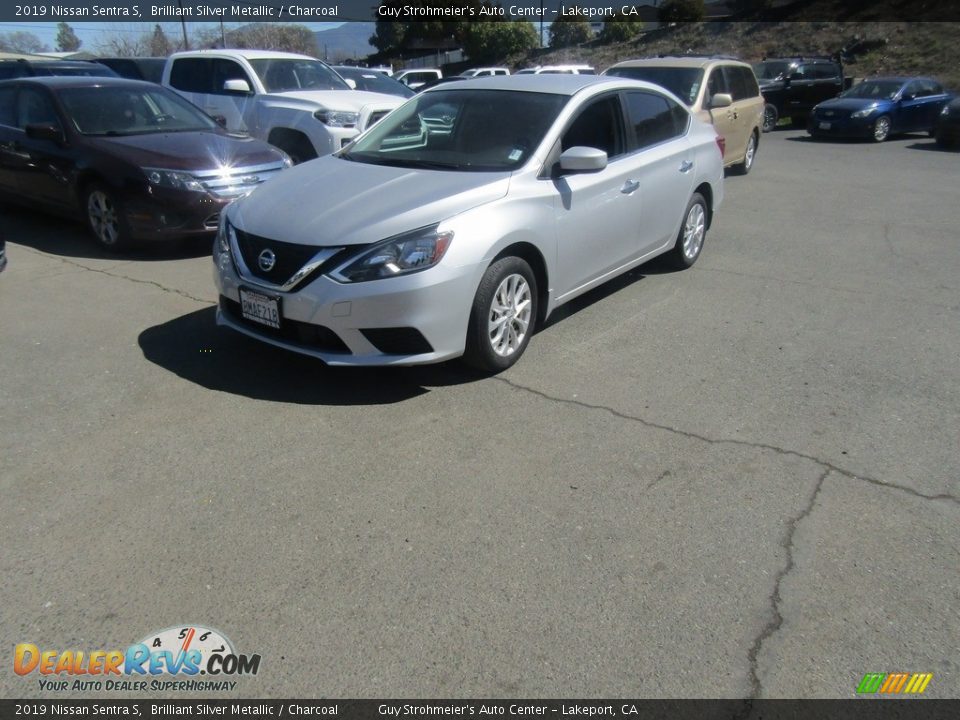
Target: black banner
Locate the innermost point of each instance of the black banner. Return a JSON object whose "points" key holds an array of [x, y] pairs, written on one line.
{"points": [[246, 11], [853, 709]]}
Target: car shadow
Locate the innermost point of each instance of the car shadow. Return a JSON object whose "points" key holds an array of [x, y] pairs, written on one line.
{"points": [[933, 147], [69, 238], [195, 349]]}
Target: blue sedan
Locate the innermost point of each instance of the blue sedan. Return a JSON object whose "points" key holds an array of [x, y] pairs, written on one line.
{"points": [[881, 107]]}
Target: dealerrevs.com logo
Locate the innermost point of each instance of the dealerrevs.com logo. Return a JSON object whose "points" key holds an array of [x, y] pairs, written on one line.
{"points": [[181, 658]]}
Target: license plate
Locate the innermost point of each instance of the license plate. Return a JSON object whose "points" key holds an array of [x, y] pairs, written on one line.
{"points": [[824, 126], [260, 308]]}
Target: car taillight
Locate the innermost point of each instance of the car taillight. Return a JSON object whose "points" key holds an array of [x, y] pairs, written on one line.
{"points": [[722, 144]]}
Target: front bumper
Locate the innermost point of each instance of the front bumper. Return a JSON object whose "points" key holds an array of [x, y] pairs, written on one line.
{"points": [[159, 214], [361, 324], [841, 126]]}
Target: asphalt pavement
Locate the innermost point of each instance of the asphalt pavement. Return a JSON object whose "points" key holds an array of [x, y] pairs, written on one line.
{"points": [[740, 480]]}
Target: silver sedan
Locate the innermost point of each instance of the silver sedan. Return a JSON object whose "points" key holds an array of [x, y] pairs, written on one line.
{"points": [[460, 221]]}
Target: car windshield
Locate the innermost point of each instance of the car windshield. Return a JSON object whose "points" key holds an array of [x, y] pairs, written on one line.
{"points": [[771, 69], [874, 90], [374, 81], [128, 110], [474, 130], [290, 74], [682, 82]]}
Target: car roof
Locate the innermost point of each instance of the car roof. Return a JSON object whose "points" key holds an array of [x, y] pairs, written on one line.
{"points": [[248, 54], [679, 61], [553, 84], [55, 82]]}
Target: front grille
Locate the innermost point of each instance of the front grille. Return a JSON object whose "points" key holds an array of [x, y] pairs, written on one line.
{"points": [[228, 183], [288, 257], [306, 335]]}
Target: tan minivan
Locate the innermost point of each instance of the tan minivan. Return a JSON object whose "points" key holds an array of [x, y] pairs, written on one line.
{"points": [[717, 90]]}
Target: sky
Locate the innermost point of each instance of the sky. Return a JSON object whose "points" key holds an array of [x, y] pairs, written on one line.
{"points": [[93, 34]]}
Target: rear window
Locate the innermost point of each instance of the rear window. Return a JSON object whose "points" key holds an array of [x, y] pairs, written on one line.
{"points": [[683, 82]]}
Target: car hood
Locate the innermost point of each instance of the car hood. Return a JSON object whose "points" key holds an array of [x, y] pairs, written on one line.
{"points": [[345, 100], [852, 104], [334, 202], [188, 150]]}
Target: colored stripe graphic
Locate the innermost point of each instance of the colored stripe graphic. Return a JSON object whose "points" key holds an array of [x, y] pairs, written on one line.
{"points": [[894, 683]]}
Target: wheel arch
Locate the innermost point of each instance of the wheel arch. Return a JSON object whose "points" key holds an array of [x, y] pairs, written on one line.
{"points": [[706, 190], [534, 258]]}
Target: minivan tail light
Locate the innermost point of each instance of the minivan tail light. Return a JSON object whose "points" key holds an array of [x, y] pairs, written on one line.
{"points": [[722, 144]]}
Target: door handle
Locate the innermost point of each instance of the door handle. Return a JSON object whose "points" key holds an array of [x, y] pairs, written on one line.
{"points": [[686, 166], [630, 186]]}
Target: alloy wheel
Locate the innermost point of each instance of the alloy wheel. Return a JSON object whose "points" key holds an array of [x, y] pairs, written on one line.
{"points": [[881, 129], [510, 314], [103, 217], [694, 229]]}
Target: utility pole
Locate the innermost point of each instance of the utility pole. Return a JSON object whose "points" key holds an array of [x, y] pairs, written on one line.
{"points": [[183, 25], [541, 23], [223, 37]]}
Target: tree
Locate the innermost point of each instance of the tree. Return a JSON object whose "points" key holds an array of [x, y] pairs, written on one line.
{"points": [[67, 40], [413, 31], [619, 27], [21, 42], [490, 42], [122, 45], [749, 7], [273, 36], [681, 11], [159, 44], [569, 30]]}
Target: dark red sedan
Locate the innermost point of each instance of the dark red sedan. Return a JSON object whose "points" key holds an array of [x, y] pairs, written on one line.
{"points": [[135, 160]]}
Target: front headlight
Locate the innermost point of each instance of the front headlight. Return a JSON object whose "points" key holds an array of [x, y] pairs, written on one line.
{"points": [[222, 241], [173, 179], [399, 255], [863, 113], [337, 118]]}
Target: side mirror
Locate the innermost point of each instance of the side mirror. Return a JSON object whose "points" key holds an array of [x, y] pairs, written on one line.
{"points": [[583, 159], [45, 131], [237, 86], [351, 82], [721, 100]]}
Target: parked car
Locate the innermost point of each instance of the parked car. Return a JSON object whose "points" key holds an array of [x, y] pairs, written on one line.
{"points": [[485, 72], [718, 90], [948, 125], [136, 68], [557, 70], [440, 81], [415, 78], [881, 107], [496, 201], [792, 86], [10, 69], [294, 102], [372, 81], [135, 160]]}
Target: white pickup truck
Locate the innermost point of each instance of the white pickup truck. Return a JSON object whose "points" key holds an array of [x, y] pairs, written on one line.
{"points": [[295, 102]]}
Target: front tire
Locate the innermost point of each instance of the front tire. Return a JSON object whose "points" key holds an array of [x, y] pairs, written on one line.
{"points": [[692, 233], [881, 128], [503, 316], [105, 217], [748, 156]]}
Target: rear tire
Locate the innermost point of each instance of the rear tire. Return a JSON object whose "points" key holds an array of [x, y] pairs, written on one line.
{"points": [[503, 316], [693, 231], [770, 118]]}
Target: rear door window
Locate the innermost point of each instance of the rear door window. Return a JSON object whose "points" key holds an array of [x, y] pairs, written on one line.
{"points": [[654, 119], [192, 75]]}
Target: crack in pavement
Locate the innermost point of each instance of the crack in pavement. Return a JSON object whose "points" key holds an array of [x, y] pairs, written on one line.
{"points": [[826, 464], [776, 622], [155, 284]]}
